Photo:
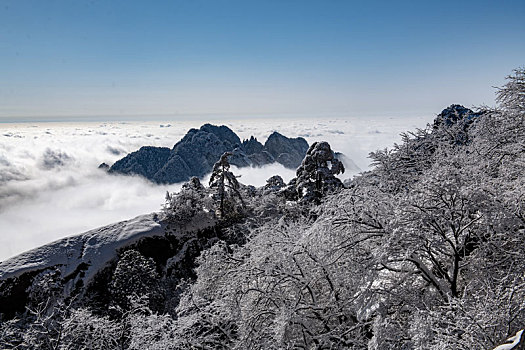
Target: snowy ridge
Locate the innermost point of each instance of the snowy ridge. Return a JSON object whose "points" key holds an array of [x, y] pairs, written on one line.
{"points": [[95, 248]]}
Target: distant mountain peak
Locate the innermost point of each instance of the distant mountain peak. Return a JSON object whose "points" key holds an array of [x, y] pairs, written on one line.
{"points": [[199, 149]]}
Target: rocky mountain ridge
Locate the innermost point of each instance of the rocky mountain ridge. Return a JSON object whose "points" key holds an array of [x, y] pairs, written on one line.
{"points": [[199, 149]]}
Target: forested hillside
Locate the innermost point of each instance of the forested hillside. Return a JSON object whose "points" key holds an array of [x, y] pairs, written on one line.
{"points": [[424, 251]]}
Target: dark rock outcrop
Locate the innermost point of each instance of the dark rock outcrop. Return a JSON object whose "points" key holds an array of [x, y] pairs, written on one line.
{"points": [[196, 153], [252, 146], [199, 149], [288, 152], [456, 114], [454, 123], [147, 161]]}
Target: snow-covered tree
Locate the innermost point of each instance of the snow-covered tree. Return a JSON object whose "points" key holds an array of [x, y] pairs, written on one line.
{"points": [[274, 184], [511, 97], [134, 276], [45, 289], [84, 330], [226, 187], [181, 207], [316, 175]]}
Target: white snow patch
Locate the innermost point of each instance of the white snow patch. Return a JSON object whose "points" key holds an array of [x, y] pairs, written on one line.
{"points": [[95, 247]]}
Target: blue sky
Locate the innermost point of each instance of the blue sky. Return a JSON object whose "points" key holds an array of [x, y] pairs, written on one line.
{"points": [[172, 58]]}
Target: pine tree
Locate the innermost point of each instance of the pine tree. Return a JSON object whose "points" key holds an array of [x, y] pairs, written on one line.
{"points": [[316, 175], [226, 186]]}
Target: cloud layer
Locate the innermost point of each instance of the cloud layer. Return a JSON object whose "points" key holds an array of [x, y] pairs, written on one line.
{"points": [[51, 187]]}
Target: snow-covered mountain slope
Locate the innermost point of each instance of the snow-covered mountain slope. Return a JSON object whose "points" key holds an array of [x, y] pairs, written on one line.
{"points": [[94, 248], [77, 259]]}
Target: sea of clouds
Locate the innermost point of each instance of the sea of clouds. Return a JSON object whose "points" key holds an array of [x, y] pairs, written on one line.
{"points": [[51, 187]]}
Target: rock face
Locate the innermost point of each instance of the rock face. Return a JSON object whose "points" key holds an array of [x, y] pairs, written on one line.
{"points": [[196, 153], [454, 123], [147, 161], [252, 146], [288, 152], [199, 149], [455, 114]]}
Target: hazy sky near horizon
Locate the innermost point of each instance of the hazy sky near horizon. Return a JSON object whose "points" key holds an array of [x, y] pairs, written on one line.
{"points": [[275, 57]]}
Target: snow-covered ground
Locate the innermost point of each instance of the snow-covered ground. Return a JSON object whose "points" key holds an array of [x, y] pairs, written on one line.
{"points": [[50, 186], [96, 247]]}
